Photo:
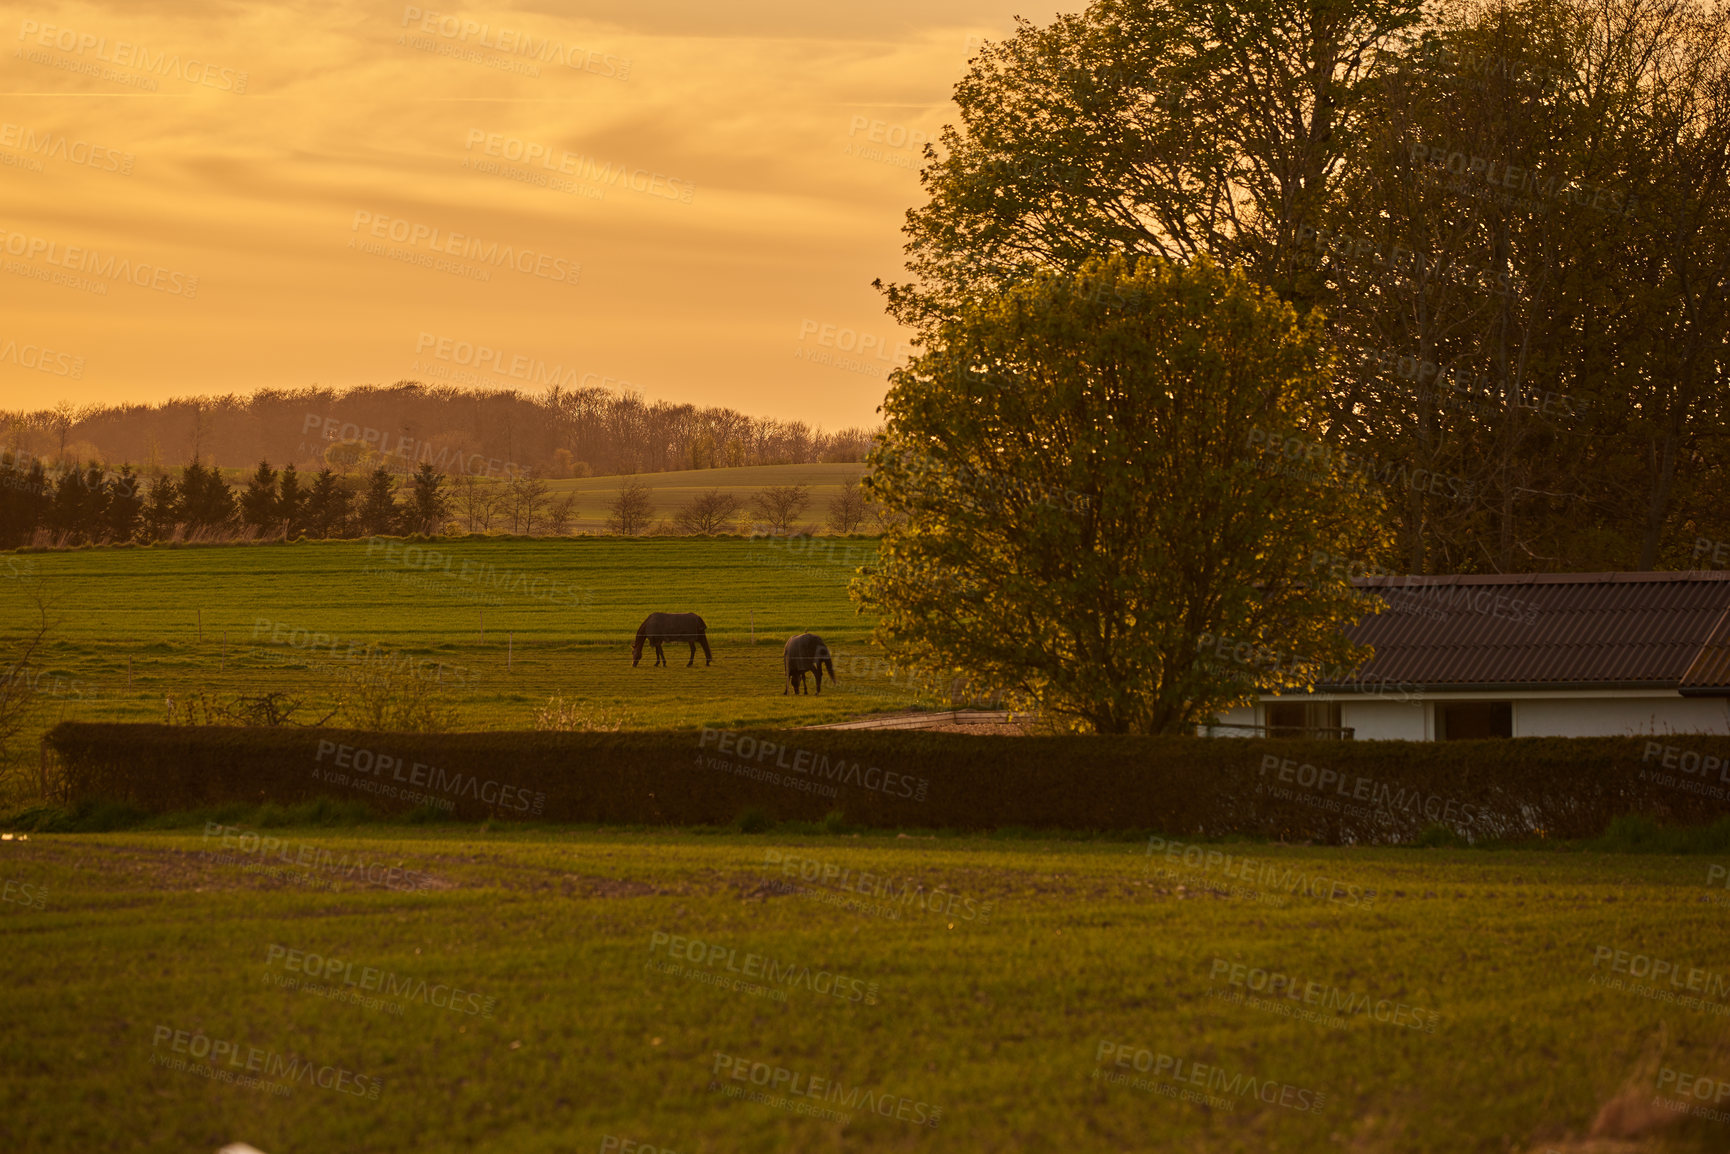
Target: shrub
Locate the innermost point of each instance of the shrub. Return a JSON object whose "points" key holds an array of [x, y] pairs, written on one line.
{"points": [[1362, 792]]}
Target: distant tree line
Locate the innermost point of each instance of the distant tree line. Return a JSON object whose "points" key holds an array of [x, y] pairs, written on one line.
{"points": [[500, 433], [92, 505]]}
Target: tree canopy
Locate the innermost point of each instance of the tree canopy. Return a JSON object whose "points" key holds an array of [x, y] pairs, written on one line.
{"points": [[1094, 485], [1514, 218]]}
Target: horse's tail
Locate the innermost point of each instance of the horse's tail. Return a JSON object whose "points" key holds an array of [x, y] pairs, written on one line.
{"points": [[703, 640], [829, 663]]}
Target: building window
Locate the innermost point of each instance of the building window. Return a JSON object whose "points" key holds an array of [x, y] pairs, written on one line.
{"points": [[1313, 719], [1474, 720]]}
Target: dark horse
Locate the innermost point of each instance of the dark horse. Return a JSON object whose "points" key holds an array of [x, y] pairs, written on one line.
{"points": [[805, 653], [660, 628]]}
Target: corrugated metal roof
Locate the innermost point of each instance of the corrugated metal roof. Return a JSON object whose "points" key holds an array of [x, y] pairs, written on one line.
{"points": [[1549, 630]]}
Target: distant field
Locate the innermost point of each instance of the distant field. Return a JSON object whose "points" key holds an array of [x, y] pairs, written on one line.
{"points": [[671, 490], [1034, 996], [561, 612]]}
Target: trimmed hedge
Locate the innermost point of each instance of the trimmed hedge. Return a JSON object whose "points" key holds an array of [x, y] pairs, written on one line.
{"points": [[1373, 792]]}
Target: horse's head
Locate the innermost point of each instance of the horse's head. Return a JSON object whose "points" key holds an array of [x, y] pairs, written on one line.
{"points": [[636, 650]]}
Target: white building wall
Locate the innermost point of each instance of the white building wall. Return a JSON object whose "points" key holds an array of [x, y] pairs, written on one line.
{"points": [[1613, 717], [1241, 715], [1385, 720]]}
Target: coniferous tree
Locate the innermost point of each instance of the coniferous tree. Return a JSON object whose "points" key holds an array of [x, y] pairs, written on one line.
{"points": [[429, 504], [379, 514], [259, 504], [206, 501], [161, 509], [327, 506], [291, 504], [125, 505]]}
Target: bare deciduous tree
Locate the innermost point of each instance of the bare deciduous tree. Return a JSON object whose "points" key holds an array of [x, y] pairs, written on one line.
{"points": [[525, 500], [476, 500], [707, 514], [847, 508], [630, 511], [19, 675], [779, 506], [561, 514]]}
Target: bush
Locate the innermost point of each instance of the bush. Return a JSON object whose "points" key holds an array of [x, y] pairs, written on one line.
{"points": [[754, 820], [1337, 792]]}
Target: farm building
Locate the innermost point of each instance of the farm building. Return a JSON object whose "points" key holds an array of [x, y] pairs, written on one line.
{"points": [[1529, 655]]}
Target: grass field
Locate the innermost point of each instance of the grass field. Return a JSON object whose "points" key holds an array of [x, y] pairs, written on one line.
{"points": [[558, 617], [1469, 1015]]}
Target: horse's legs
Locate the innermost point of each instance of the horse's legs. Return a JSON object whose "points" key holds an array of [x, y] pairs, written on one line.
{"points": [[693, 660], [660, 657]]}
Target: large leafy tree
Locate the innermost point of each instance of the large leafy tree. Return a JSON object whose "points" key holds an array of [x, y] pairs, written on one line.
{"points": [[1106, 480]]}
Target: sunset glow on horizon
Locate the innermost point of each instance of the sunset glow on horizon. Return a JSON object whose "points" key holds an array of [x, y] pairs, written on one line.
{"points": [[680, 201]]}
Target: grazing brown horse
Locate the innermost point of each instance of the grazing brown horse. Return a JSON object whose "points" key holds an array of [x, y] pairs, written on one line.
{"points": [[660, 628], [805, 653]]}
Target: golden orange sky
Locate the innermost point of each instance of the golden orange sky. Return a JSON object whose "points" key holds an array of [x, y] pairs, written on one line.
{"points": [[688, 199]]}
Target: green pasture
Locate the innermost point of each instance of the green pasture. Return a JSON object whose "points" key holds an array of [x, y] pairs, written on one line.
{"points": [[996, 1021], [135, 626]]}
